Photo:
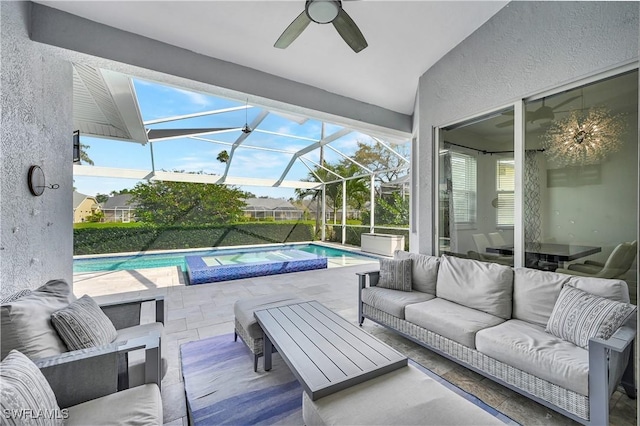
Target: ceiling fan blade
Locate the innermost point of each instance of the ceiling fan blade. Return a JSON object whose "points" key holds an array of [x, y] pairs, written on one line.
{"points": [[155, 134], [293, 31], [349, 31], [566, 102]]}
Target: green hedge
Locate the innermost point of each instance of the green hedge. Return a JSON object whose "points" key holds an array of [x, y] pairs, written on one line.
{"points": [[118, 239]]}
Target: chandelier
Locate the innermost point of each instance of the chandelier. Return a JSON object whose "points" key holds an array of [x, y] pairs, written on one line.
{"points": [[584, 137]]}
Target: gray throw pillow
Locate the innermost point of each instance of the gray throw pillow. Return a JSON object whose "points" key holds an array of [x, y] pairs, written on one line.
{"points": [[395, 274], [579, 316], [25, 395], [26, 322], [83, 325]]}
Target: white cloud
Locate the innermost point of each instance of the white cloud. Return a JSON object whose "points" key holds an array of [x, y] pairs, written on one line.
{"points": [[198, 99]]}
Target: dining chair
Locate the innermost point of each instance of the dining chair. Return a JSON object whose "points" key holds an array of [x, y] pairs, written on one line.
{"points": [[482, 242], [496, 239], [618, 263]]}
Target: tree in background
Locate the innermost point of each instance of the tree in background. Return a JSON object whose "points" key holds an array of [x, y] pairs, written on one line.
{"points": [[223, 156], [391, 210], [187, 203], [102, 198], [84, 155], [378, 158]]}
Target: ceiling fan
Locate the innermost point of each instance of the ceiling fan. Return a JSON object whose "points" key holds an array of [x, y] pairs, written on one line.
{"points": [[324, 12], [545, 113]]}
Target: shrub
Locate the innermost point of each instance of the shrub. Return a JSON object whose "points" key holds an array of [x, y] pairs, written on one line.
{"points": [[141, 238]]}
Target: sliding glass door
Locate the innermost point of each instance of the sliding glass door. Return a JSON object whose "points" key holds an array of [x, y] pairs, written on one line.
{"points": [[580, 185], [476, 188]]}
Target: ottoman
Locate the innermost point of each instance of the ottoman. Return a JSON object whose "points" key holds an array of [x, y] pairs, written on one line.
{"points": [[246, 325], [405, 396]]}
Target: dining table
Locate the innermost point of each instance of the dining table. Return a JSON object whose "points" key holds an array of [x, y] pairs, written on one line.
{"points": [[547, 255]]}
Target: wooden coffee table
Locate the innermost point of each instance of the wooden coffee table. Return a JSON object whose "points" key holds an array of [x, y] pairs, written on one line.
{"points": [[324, 351]]}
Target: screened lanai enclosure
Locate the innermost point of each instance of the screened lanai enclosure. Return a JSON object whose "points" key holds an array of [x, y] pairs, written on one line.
{"points": [[347, 180]]}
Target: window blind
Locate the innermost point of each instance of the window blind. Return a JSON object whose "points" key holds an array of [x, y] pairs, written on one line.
{"points": [[464, 183], [506, 185]]}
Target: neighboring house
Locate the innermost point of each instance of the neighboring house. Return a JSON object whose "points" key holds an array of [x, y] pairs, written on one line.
{"points": [[83, 206], [276, 208], [119, 208]]}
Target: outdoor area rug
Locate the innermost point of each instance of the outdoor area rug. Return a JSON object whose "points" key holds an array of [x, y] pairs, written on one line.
{"points": [[222, 388]]}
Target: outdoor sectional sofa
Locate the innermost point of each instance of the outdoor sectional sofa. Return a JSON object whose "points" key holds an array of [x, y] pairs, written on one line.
{"points": [[492, 319]]}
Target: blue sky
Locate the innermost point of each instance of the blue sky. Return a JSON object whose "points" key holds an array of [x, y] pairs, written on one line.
{"points": [[159, 101]]}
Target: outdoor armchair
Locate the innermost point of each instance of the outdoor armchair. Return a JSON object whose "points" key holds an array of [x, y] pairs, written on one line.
{"points": [[27, 327]]}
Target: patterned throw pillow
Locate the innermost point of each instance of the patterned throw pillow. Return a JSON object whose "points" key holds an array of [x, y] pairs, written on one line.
{"points": [[578, 316], [83, 325], [395, 274], [25, 395]]}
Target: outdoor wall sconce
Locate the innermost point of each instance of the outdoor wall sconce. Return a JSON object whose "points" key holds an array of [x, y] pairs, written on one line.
{"points": [[37, 182]]}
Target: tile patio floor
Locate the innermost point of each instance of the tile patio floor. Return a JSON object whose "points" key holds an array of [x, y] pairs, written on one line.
{"points": [[201, 311]]}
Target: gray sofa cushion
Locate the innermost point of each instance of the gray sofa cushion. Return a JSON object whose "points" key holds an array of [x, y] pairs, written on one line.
{"points": [[405, 396], [485, 286], [424, 270], [611, 289], [529, 348], [450, 320], [26, 322], [141, 405], [392, 302], [535, 293]]}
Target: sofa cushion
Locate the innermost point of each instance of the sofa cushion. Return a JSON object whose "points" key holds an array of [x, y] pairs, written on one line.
{"points": [[529, 348], [485, 286], [395, 274], [24, 387], [26, 322], [578, 316], [83, 325], [448, 319], [141, 405], [535, 293], [392, 302], [611, 289], [424, 270]]}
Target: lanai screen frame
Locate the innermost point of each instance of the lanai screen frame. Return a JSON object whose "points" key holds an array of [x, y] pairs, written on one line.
{"points": [[225, 178]]}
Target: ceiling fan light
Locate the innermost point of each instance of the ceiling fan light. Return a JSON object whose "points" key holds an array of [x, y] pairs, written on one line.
{"points": [[322, 11]]}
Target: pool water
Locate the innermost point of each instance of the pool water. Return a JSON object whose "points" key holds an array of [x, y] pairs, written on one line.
{"points": [[335, 257]]}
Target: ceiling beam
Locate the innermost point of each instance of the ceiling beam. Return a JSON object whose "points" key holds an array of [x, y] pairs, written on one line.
{"points": [[112, 172], [196, 114]]}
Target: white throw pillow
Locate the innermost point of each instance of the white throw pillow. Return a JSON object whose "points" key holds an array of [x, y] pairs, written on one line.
{"points": [[83, 325], [579, 316]]}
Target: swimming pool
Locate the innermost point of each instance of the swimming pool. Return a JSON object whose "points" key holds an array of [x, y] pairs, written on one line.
{"points": [[335, 257]]}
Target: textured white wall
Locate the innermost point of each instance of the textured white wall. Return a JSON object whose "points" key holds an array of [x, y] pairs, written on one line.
{"points": [[526, 48], [36, 239]]}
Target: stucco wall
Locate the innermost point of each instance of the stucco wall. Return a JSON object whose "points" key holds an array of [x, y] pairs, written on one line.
{"points": [[526, 48], [36, 239]]}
